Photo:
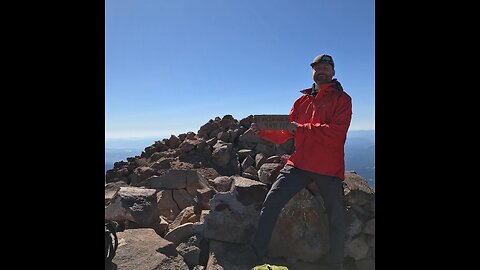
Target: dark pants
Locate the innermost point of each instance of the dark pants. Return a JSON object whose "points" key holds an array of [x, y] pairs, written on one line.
{"points": [[289, 182]]}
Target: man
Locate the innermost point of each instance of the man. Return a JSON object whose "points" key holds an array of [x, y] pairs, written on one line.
{"points": [[319, 121]]}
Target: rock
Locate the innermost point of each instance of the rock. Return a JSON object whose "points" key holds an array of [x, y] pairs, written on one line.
{"points": [[135, 204], [143, 249], [268, 172], [370, 227], [301, 231], [228, 215], [180, 233], [357, 248], [222, 183]]}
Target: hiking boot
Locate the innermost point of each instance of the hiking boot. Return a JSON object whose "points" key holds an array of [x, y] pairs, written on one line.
{"points": [[269, 267]]}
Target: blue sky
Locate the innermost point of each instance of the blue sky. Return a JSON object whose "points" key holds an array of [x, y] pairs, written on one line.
{"points": [[172, 65]]}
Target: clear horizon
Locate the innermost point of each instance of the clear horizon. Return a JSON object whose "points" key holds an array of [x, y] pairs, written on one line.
{"points": [[178, 133], [139, 143], [170, 66]]}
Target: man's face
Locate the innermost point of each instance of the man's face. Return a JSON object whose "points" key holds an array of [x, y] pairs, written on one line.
{"points": [[322, 73]]}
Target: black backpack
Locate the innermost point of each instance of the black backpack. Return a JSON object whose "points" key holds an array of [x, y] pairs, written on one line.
{"points": [[111, 243]]}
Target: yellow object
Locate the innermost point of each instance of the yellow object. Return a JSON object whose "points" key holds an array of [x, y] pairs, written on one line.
{"points": [[269, 267]]}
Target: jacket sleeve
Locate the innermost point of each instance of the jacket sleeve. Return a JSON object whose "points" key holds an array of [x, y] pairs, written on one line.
{"points": [[336, 131]]}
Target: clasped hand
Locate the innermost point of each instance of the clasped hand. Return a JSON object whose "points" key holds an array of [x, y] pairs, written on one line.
{"points": [[292, 127]]}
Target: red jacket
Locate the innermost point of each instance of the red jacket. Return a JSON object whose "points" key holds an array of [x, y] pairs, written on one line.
{"points": [[319, 140]]}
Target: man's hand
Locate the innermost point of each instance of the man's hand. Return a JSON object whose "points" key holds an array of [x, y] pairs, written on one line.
{"points": [[253, 127], [292, 127]]}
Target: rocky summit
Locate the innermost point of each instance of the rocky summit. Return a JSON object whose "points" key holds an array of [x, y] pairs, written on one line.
{"points": [[192, 201]]}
